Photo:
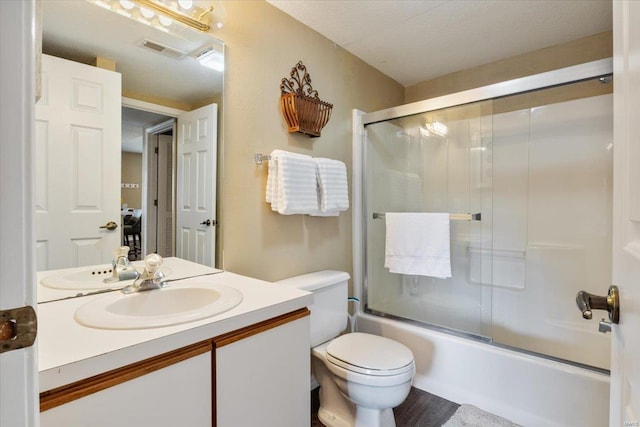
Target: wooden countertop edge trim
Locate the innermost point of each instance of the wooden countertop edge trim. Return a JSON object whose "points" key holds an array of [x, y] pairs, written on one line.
{"points": [[257, 328], [59, 396]]}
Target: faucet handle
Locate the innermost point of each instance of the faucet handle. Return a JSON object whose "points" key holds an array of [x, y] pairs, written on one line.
{"points": [[152, 262], [122, 251]]}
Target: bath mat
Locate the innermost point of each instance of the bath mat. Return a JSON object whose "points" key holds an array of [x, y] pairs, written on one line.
{"points": [[470, 416]]}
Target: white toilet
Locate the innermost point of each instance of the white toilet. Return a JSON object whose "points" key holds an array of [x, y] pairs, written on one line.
{"points": [[362, 377]]}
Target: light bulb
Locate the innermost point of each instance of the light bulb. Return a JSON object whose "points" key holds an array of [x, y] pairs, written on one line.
{"points": [[127, 4], [146, 13], [185, 4], [165, 21]]}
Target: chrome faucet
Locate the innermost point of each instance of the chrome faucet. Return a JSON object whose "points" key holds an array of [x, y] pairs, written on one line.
{"points": [[151, 277], [120, 266]]}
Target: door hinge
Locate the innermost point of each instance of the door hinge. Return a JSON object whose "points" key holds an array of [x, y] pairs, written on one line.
{"points": [[155, 150], [155, 202], [18, 328]]}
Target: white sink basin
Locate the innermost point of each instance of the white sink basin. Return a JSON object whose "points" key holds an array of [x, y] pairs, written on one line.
{"points": [[88, 278], [159, 307]]}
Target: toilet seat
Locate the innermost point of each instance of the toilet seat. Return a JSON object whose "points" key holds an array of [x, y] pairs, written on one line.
{"points": [[370, 355]]}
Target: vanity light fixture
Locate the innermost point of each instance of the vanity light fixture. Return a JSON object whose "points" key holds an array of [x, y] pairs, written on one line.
{"points": [[185, 4], [162, 14], [127, 4]]}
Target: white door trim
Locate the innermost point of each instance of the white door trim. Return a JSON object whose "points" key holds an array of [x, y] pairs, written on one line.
{"points": [[147, 169], [152, 108], [19, 404]]}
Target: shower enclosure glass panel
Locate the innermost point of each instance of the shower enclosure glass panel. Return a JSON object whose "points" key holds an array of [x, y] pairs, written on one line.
{"points": [[552, 203], [438, 161], [537, 166]]}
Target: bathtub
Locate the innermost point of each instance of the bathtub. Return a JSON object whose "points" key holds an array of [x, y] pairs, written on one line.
{"points": [[526, 389]]}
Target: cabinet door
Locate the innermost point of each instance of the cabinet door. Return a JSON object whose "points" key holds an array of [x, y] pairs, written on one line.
{"points": [[263, 380], [177, 395]]}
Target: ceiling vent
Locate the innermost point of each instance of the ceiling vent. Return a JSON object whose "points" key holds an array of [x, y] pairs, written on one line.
{"points": [[162, 49]]}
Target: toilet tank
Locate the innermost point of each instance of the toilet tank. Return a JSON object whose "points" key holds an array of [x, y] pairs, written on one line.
{"points": [[329, 309]]}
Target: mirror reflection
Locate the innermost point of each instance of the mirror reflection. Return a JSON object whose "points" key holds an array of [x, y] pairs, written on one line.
{"points": [[118, 96]]}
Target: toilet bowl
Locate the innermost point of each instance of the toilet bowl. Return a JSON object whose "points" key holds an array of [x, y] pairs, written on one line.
{"points": [[362, 377], [373, 373]]}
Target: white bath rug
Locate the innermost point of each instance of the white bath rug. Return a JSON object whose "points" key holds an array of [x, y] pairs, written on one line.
{"points": [[470, 416]]}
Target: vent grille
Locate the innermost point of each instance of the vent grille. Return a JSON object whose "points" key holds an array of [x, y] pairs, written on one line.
{"points": [[161, 49]]}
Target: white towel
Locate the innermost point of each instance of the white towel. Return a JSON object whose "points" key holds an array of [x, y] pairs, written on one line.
{"points": [[333, 189], [291, 183], [418, 243]]}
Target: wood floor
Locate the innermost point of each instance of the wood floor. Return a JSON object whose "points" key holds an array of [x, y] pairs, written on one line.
{"points": [[421, 409]]}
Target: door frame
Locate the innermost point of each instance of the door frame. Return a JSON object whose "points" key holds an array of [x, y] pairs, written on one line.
{"points": [[19, 402], [149, 187], [147, 200]]}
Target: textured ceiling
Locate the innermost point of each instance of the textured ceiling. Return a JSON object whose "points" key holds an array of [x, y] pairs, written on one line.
{"points": [[416, 40]]}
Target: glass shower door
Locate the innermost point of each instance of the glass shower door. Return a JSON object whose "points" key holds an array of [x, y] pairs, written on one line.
{"points": [[433, 162]]}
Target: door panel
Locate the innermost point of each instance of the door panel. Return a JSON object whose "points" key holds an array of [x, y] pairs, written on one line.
{"points": [[18, 368], [625, 370], [196, 186], [78, 159]]}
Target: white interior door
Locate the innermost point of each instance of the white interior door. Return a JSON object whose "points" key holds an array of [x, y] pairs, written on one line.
{"points": [[196, 185], [625, 349], [18, 368], [78, 150]]}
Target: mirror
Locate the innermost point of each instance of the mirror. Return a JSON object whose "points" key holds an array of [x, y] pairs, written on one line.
{"points": [[160, 79]]}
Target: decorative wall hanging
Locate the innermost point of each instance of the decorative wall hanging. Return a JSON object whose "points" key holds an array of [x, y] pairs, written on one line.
{"points": [[302, 109]]}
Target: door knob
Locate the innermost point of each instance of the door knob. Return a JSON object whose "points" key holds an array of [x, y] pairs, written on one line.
{"points": [[110, 226], [587, 302], [209, 222]]}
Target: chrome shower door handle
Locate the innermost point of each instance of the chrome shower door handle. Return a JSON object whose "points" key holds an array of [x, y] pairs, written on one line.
{"points": [[587, 302]]}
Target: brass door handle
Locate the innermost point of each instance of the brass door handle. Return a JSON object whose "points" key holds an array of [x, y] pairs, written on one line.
{"points": [[110, 226], [587, 302]]}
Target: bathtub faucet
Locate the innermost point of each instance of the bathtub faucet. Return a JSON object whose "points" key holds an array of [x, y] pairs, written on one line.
{"points": [[587, 302]]}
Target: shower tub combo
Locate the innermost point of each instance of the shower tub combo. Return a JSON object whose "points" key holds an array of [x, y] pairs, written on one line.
{"points": [[531, 161]]}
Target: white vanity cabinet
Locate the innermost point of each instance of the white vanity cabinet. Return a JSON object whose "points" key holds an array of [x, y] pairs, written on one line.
{"points": [[171, 389], [253, 376], [263, 379]]}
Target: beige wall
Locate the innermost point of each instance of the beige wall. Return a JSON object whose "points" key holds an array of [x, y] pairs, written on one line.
{"points": [[586, 49], [262, 45], [132, 174]]}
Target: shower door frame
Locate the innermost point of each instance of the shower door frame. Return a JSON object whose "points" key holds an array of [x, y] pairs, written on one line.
{"points": [[549, 79]]}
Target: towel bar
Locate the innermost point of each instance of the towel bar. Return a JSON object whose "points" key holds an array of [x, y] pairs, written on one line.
{"points": [[453, 217]]}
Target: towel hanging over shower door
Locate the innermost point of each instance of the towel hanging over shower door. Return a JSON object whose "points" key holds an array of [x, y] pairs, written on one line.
{"points": [[418, 243]]}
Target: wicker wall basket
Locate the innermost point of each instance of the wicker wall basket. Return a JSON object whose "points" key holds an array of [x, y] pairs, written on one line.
{"points": [[302, 109]]}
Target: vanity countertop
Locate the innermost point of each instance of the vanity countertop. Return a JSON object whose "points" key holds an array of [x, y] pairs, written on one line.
{"points": [[70, 352]]}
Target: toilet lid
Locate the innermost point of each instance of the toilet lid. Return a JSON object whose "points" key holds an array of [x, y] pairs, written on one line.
{"points": [[370, 354]]}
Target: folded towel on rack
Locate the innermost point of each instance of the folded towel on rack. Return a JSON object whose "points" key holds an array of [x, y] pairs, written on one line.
{"points": [[291, 183], [333, 189], [418, 243]]}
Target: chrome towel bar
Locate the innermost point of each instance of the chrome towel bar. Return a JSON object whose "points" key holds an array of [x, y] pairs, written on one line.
{"points": [[453, 217]]}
